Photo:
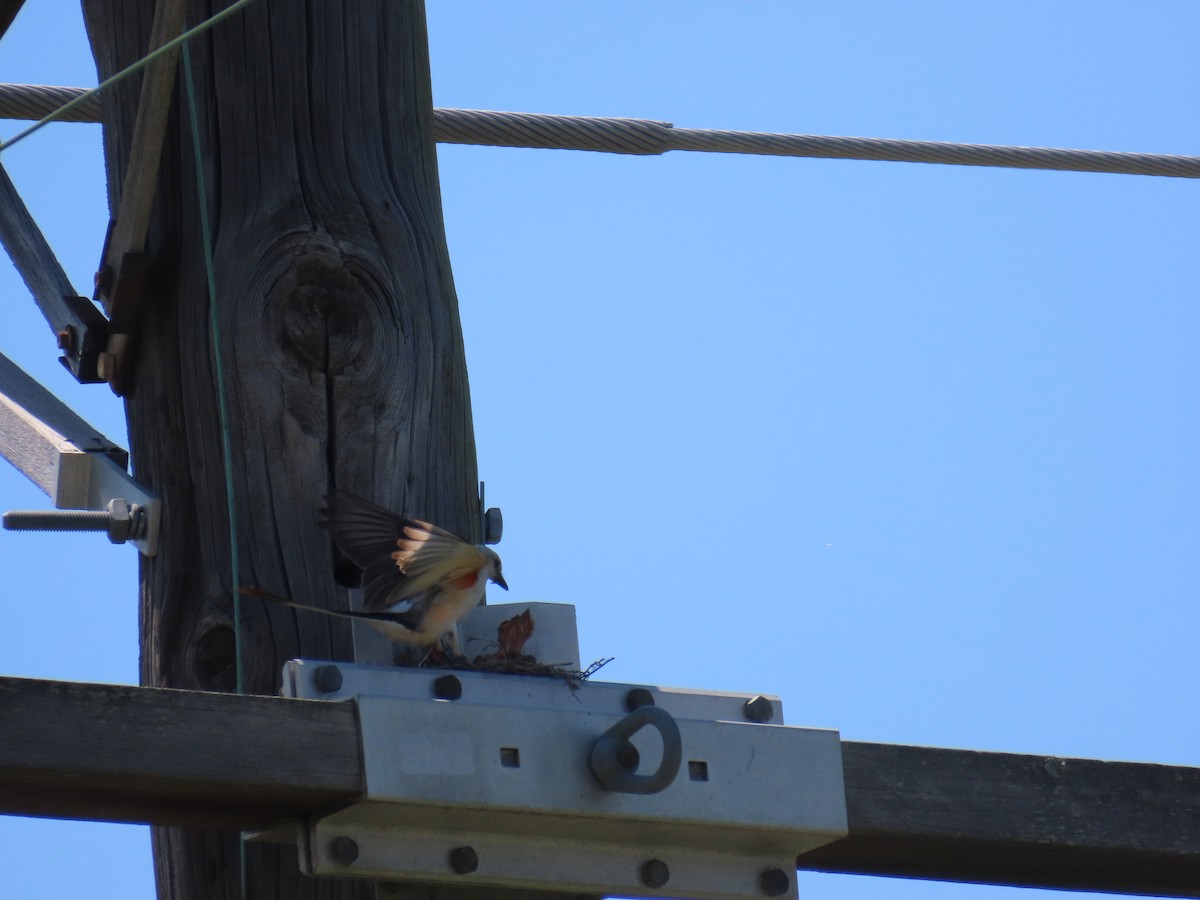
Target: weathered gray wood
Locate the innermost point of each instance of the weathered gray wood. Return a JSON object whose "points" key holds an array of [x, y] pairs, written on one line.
{"points": [[137, 198], [81, 331], [122, 281], [8, 12], [125, 754], [341, 344], [1004, 818]]}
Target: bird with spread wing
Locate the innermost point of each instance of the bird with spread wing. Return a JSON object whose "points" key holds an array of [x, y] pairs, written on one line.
{"points": [[418, 580]]}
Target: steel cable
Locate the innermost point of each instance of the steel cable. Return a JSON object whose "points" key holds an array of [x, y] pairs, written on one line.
{"points": [[646, 137]]}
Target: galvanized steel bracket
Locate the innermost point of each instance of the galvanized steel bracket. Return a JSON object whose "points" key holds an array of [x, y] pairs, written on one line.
{"points": [[477, 779]]}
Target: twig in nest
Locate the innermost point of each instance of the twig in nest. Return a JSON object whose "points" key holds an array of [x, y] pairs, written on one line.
{"points": [[595, 667]]}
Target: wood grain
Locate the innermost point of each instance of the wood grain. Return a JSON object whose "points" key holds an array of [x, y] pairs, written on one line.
{"points": [[126, 754], [8, 12], [341, 345], [1005, 818], [182, 757]]}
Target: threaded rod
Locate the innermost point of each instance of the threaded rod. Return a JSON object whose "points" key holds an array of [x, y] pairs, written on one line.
{"points": [[56, 520]]}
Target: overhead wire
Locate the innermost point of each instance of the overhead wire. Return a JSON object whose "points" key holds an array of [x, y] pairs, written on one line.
{"points": [[76, 101], [649, 137], [507, 129]]}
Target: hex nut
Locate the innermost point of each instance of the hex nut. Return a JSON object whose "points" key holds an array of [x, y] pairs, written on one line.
{"points": [[344, 850], [448, 687], [327, 679], [774, 882], [120, 521], [654, 873], [66, 340], [637, 698], [628, 757], [759, 709], [463, 860]]}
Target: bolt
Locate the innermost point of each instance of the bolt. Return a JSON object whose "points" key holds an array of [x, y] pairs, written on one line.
{"points": [[774, 882], [654, 873], [464, 860], [448, 687], [327, 679], [121, 520], [628, 757], [637, 698], [102, 280], [66, 340], [344, 850], [759, 709], [125, 521], [56, 520]]}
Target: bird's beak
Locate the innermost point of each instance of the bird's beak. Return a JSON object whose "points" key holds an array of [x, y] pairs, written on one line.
{"points": [[499, 579]]}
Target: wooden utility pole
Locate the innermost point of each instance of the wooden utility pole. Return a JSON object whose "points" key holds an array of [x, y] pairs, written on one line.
{"points": [[340, 339]]}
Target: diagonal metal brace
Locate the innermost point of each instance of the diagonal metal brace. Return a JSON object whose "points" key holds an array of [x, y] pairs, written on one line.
{"points": [[69, 459], [80, 329]]}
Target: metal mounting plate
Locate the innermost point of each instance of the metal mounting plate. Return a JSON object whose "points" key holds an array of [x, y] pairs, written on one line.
{"points": [[504, 771]]}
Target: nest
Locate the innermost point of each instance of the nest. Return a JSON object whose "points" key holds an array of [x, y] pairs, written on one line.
{"points": [[510, 658]]}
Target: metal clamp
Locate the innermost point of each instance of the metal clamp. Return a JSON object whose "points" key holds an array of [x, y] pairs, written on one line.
{"points": [[614, 759], [491, 520]]}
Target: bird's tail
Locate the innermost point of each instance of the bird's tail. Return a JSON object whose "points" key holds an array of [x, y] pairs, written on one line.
{"points": [[260, 594]]}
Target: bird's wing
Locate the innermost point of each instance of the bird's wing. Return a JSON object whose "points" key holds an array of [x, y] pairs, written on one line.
{"points": [[366, 534], [401, 558], [434, 560]]}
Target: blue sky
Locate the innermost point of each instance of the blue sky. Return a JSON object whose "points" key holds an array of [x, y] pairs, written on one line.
{"points": [[911, 446]]}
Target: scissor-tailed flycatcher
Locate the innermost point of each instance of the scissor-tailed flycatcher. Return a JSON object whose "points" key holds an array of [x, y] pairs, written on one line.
{"points": [[419, 581]]}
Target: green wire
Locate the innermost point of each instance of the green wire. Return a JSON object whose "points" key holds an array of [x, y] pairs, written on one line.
{"points": [[218, 366], [222, 406]]}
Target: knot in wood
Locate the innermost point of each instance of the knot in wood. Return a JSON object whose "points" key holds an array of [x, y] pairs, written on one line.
{"points": [[325, 313], [214, 660]]}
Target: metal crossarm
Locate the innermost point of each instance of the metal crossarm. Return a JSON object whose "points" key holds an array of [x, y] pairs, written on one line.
{"points": [[508, 781]]}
